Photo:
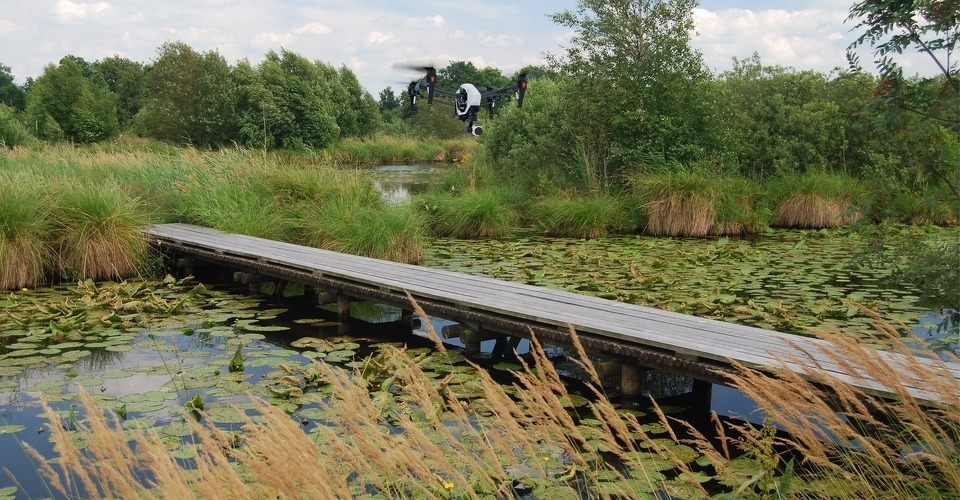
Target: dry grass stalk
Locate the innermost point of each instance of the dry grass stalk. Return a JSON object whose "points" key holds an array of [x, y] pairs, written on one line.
{"points": [[22, 262], [813, 211], [680, 214], [899, 447]]}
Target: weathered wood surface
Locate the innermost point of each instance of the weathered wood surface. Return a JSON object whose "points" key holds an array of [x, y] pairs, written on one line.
{"points": [[688, 337]]}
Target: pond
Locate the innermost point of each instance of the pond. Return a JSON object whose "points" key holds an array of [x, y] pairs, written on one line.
{"points": [[398, 183], [145, 349]]}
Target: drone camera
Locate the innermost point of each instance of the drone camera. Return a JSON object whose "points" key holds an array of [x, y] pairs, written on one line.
{"points": [[475, 129]]}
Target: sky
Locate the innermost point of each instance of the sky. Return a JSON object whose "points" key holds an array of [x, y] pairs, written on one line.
{"points": [[369, 36]]}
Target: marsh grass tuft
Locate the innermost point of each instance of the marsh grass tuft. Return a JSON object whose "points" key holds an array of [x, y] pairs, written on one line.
{"points": [[25, 228], [370, 229], [97, 232], [477, 213], [816, 200], [580, 216]]}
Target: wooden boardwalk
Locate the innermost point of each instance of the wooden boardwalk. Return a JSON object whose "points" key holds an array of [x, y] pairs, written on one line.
{"points": [[699, 347]]}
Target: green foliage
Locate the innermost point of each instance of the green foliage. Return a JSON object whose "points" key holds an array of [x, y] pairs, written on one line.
{"points": [[81, 107], [12, 131], [435, 121], [10, 93], [236, 362], [126, 80], [636, 59], [189, 98]]}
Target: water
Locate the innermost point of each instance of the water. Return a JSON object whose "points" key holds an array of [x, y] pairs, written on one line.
{"points": [[398, 183]]}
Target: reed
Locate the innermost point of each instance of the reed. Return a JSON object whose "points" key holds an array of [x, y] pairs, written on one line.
{"points": [[25, 233], [816, 200], [580, 216], [523, 438], [97, 231]]}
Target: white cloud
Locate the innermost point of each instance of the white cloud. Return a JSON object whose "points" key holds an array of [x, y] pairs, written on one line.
{"points": [[68, 11], [313, 29], [502, 40], [7, 26], [807, 38], [270, 40], [437, 21], [378, 38]]}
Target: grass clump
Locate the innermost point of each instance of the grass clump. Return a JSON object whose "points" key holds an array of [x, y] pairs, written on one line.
{"points": [[815, 200], [384, 150], [25, 232], [372, 230], [477, 213], [676, 203], [98, 231], [582, 216]]}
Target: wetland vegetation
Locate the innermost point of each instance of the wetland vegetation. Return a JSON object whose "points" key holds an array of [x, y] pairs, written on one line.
{"points": [[791, 200]]}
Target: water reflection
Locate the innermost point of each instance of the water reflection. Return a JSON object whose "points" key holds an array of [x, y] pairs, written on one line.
{"points": [[399, 183]]}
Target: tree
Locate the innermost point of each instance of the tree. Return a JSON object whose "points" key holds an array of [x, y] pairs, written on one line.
{"points": [[10, 93], [639, 77], [126, 80], [189, 97], [931, 27], [80, 106], [287, 102]]}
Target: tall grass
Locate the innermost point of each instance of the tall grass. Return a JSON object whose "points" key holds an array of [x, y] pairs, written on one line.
{"points": [[374, 230], [697, 202], [524, 439], [25, 229], [394, 150], [477, 213], [98, 231], [580, 216], [816, 200]]}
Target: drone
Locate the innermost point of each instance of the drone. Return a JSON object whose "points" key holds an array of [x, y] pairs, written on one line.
{"points": [[468, 99]]}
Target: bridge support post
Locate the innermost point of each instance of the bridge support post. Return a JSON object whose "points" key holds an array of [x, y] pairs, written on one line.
{"points": [[631, 379], [343, 313], [702, 394]]}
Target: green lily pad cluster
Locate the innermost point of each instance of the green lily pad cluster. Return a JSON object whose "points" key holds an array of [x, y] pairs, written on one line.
{"points": [[791, 281]]}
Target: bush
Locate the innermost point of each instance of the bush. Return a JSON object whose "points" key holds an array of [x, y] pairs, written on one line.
{"points": [[12, 132]]}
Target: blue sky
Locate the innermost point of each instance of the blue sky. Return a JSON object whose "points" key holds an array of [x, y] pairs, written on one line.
{"points": [[368, 36]]}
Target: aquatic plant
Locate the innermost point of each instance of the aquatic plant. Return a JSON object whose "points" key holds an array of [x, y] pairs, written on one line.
{"points": [[815, 200], [25, 228], [579, 216], [97, 233]]}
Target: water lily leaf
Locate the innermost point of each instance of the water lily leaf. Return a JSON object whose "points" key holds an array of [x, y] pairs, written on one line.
{"points": [[11, 428], [176, 429]]}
